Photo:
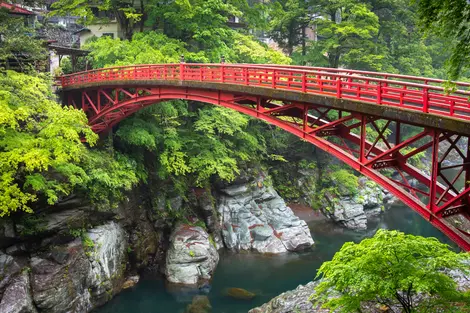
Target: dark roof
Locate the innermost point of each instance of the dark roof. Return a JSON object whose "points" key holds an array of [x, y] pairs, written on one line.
{"points": [[84, 29], [68, 51], [15, 9]]}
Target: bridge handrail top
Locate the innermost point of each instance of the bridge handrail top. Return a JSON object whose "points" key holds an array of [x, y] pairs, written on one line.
{"points": [[394, 75], [298, 69]]}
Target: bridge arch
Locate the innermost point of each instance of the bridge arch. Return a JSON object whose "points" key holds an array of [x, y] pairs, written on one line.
{"points": [[334, 122]]}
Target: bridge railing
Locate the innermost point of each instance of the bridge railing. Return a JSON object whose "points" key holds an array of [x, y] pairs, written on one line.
{"points": [[408, 92]]}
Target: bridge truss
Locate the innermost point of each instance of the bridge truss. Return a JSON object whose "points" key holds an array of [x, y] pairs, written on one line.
{"points": [[382, 147]]}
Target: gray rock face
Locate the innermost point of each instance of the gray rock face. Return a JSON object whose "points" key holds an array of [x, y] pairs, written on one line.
{"points": [[17, 297], [108, 260], [192, 257], [60, 282], [353, 211], [7, 233], [9, 267], [206, 205], [291, 301], [72, 279], [461, 278], [254, 217]]}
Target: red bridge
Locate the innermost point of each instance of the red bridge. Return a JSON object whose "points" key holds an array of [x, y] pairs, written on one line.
{"points": [[343, 112]]}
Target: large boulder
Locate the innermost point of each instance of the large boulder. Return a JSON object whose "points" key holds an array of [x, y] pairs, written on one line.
{"points": [[9, 267], [192, 257], [108, 257], [345, 211], [79, 276], [17, 297], [353, 210], [254, 217], [60, 280]]}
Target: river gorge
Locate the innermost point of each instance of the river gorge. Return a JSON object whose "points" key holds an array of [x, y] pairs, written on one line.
{"points": [[267, 276]]}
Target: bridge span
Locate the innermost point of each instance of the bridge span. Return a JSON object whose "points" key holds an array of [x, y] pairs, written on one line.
{"points": [[344, 112]]}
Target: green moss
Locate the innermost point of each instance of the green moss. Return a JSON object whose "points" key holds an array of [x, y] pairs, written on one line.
{"points": [[212, 241]]}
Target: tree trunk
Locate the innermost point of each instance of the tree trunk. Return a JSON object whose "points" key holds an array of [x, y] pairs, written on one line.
{"points": [[304, 48]]}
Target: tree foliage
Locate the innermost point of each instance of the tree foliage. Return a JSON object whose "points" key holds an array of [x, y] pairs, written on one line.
{"points": [[155, 48], [288, 20], [346, 34], [392, 269], [449, 19], [128, 13], [39, 143], [211, 141], [18, 42], [41, 153]]}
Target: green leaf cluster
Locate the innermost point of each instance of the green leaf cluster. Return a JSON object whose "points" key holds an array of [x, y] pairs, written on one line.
{"points": [[41, 151], [157, 48], [449, 19], [391, 269], [18, 42], [39, 143], [197, 145]]}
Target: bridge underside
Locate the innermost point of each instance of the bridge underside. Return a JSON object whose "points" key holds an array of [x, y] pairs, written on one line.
{"points": [[382, 143]]}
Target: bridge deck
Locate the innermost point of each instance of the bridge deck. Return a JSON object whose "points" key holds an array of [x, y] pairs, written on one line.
{"points": [[415, 100]]}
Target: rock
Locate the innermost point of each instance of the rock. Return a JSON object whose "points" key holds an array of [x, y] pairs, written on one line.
{"points": [[291, 301], [7, 232], [131, 282], [461, 278], [239, 293], [205, 203], [353, 211], [346, 212], [9, 267], [71, 278], [108, 260], [63, 287], [18, 249], [200, 304], [146, 244], [255, 217], [17, 297], [191, 258]]}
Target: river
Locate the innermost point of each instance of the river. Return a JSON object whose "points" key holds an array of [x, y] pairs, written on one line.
{"points": [[266, 276]]}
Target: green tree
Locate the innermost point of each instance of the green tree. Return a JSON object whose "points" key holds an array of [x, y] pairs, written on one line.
{"points": [[191, 146], [40, 143], [391, 269], [201, 23], [288, 22], [18, 42], [42, 157], [449, 19], [154, 48], [346, 33], [128, 13]]}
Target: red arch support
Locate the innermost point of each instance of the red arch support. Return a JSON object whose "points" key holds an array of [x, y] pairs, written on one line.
{"points": [[352, 131]]}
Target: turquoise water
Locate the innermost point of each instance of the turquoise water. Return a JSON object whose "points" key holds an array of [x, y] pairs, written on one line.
{"points": [[266, 276]]}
